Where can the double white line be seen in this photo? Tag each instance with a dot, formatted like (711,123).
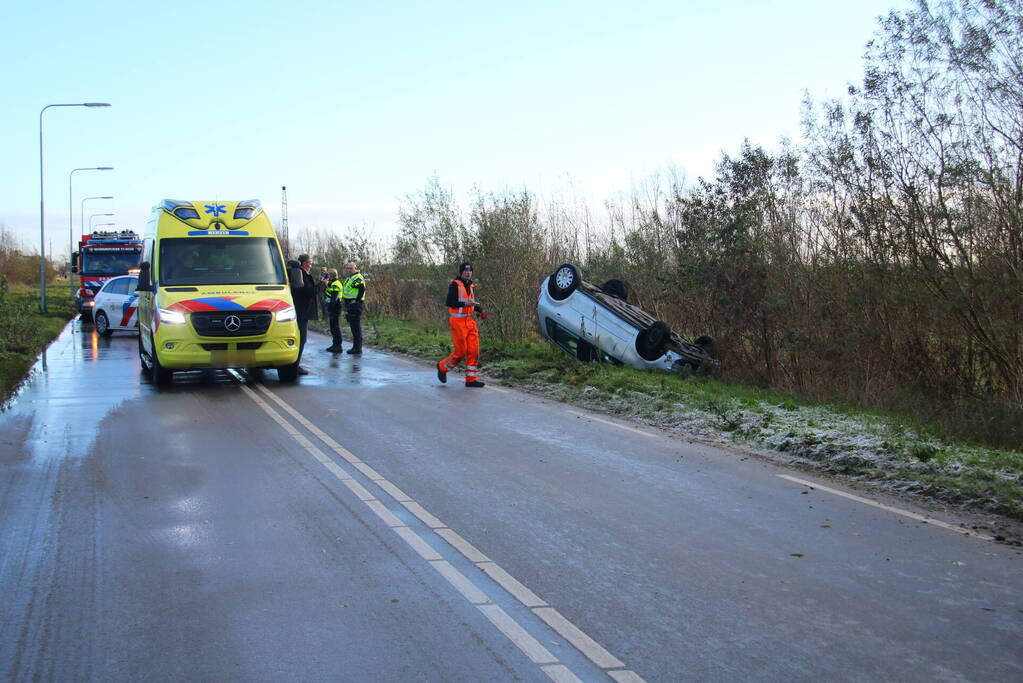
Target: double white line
(505,623)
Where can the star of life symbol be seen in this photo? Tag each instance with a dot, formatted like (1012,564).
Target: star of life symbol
(215,209)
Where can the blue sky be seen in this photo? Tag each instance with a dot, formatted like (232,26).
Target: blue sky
(352,106)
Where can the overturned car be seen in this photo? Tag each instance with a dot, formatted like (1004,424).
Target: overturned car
(594,323)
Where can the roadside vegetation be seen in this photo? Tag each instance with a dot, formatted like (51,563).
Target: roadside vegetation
(878,449)
(24,331)
(878,265)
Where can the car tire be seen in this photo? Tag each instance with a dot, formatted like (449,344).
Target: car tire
(102,323)
(617,289)
(160,375)
(563,281)
(651,342)
(288,373)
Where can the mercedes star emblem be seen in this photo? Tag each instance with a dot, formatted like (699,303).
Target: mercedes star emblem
(232,323)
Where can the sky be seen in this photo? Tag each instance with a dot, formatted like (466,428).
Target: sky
(355,106)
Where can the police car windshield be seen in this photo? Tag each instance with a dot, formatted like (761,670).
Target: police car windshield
(220,261)
(110,262)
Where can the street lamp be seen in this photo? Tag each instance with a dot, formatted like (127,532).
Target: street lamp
(81,211)
(70,215)
(91,216)
(42,216)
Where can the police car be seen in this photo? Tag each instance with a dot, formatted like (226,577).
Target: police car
(592,323)
(116,306)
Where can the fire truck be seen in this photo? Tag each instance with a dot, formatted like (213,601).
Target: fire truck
(101,256)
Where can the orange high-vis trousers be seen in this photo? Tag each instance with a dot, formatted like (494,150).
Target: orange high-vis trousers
(466,338)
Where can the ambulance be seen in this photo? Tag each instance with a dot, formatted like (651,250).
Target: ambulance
(213,291)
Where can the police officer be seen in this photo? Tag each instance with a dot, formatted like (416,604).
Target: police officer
(332,302)
(353,294)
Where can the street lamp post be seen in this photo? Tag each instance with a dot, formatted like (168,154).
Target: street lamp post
(70,217)
(91,216)
(81,211)
(42,215)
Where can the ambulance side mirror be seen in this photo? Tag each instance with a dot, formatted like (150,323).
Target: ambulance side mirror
(74,262)
(145,278)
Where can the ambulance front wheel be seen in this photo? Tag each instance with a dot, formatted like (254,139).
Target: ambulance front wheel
(160,375)
(288,373)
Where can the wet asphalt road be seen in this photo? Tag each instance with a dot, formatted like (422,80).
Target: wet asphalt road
(371,524)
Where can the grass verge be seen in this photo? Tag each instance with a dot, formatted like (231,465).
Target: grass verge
(886,450)
(25,331)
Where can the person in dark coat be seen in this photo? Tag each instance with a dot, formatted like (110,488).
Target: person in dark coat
(303,293)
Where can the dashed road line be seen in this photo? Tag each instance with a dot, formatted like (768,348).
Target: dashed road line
(472,593)
(889,508)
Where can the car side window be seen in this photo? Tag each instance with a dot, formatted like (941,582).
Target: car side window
(117,286)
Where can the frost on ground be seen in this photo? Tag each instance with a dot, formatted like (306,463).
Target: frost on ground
(871,450)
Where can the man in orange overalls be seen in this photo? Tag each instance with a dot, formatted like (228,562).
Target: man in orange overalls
(461,303)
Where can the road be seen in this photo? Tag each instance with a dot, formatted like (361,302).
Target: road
(369,523)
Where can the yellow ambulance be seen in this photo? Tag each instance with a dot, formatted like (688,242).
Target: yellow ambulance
(213,291)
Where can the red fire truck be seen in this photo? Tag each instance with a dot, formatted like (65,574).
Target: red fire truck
(101,256)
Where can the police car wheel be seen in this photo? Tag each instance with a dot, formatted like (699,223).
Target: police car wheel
(103,324)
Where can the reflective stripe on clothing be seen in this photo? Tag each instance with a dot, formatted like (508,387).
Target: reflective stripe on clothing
(467,297)
(459,315)
(465,336)
(350,289)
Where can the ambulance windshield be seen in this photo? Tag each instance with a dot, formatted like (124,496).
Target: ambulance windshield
(220,261)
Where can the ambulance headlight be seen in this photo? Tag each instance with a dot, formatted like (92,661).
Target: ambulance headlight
(286,314)
(171,317)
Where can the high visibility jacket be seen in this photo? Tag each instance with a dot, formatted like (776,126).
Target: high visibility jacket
(354,287)
(467,299)
(332,291)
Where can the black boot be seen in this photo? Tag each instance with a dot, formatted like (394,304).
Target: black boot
(475,384)
(355,349)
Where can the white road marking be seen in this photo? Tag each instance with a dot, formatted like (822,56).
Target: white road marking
(512,585)
(462,583)
(383,513)
(625,676)
(358,489)
(420,512)
(370,473)
(613,424)
(559,673)
(525,642)
(424,549)
(889,508)
(582,642)
(505,623)
(463,546)
(393,491)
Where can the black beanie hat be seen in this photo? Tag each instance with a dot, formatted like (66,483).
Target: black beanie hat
(464,266)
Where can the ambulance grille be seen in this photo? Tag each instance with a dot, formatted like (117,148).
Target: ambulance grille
(221,323)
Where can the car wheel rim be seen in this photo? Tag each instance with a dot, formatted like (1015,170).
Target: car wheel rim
(101,323)
(564,278)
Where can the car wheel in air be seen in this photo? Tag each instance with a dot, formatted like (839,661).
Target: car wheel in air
(563,281)
(103,324)
(616,288)
(651,342)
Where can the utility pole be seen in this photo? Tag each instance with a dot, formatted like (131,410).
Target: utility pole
(284,221)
